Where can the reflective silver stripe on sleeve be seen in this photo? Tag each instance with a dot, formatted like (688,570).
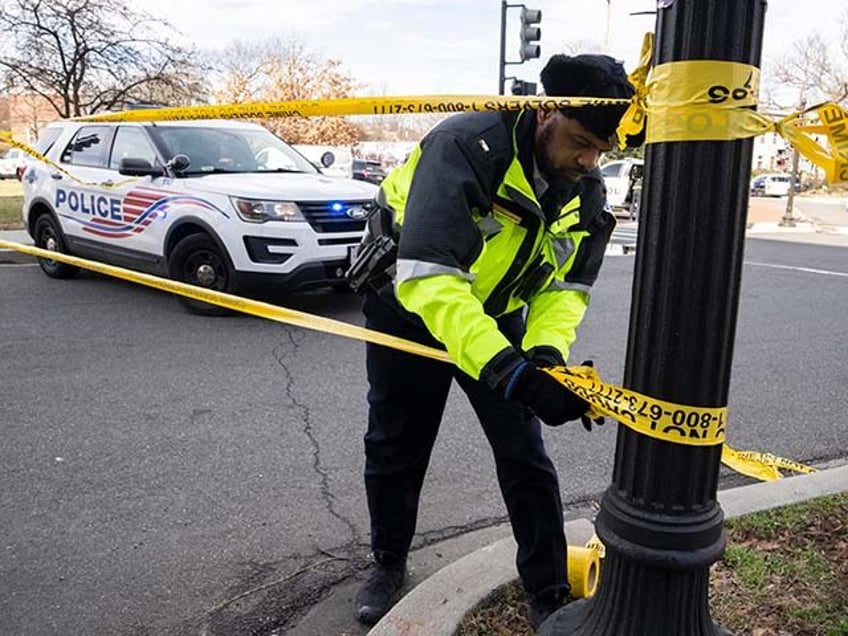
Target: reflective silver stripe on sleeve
(561,285)
(410,270)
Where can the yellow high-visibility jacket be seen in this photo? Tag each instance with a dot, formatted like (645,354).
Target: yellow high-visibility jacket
(475,242)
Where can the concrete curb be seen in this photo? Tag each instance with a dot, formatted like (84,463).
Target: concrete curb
(438,604)
(774,227)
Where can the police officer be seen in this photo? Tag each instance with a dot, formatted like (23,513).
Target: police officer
(487,243)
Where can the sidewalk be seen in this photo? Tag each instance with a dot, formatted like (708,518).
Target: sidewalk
(11,257)
(766,220)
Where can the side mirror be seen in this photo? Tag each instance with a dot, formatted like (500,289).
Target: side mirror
(328,159)
(134,167)
(178,163)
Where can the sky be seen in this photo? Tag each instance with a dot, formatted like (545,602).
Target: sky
(423,47)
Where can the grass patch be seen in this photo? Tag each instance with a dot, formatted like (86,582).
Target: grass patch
(505,612)
(785,572)
(11,201)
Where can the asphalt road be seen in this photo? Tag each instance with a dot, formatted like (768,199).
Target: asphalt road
(157,465)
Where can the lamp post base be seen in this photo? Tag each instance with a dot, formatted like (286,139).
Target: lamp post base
(572,620)
(637,603)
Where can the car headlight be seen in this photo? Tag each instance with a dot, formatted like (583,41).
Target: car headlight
(255,211)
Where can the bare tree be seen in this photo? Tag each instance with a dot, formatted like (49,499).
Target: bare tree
(814,70)
(85,56)
(276,70)
(581,46)
(243,70)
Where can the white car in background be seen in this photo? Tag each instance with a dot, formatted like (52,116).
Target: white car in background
(623,180)
(12,163)
(220,204)
(771,185)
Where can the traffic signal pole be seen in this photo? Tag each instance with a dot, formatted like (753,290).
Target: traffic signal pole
(660,519)
(530,36)
(502,64)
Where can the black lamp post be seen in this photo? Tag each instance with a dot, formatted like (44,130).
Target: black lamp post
(660,520)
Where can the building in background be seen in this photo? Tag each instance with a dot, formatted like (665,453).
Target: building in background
(773,154)
(25,114)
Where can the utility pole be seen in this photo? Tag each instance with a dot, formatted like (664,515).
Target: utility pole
(788,219)
(660,519)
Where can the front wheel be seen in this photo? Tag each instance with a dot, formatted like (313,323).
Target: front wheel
(197,260)
(49,237)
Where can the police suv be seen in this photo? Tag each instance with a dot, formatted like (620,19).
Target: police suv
(221,204)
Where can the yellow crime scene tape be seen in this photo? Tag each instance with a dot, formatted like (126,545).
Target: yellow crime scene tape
(696,100)
(678,101)
(404,105)
(676,423)
(6,137)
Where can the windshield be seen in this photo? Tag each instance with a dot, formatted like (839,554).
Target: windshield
(612,169)
(237,150)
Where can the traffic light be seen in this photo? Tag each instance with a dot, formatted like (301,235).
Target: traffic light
(521,87)
(530,35)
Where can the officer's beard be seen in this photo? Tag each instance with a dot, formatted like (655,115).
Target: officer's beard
(553,176)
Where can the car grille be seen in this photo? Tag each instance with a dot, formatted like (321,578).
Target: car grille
(332,216)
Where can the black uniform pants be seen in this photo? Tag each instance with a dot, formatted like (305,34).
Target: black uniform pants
(406,397)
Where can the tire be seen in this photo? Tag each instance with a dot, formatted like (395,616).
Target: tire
(48,236)
(197,260)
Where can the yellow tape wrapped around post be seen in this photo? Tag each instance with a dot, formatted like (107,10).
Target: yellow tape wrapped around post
(703,100)
(691,425)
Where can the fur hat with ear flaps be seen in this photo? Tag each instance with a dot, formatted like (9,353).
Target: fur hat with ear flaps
(591,76)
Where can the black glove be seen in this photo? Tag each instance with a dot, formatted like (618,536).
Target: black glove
(545,356)
(585,420)
(548,399)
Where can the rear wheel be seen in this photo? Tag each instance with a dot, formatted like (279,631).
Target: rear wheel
(197,260)
(49,237)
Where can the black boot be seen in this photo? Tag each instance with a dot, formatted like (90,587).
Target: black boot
(380,591)
(543,605)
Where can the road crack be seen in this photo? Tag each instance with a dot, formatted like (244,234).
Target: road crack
(281,352)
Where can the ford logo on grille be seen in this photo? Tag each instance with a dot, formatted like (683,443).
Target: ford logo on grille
(357,212)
